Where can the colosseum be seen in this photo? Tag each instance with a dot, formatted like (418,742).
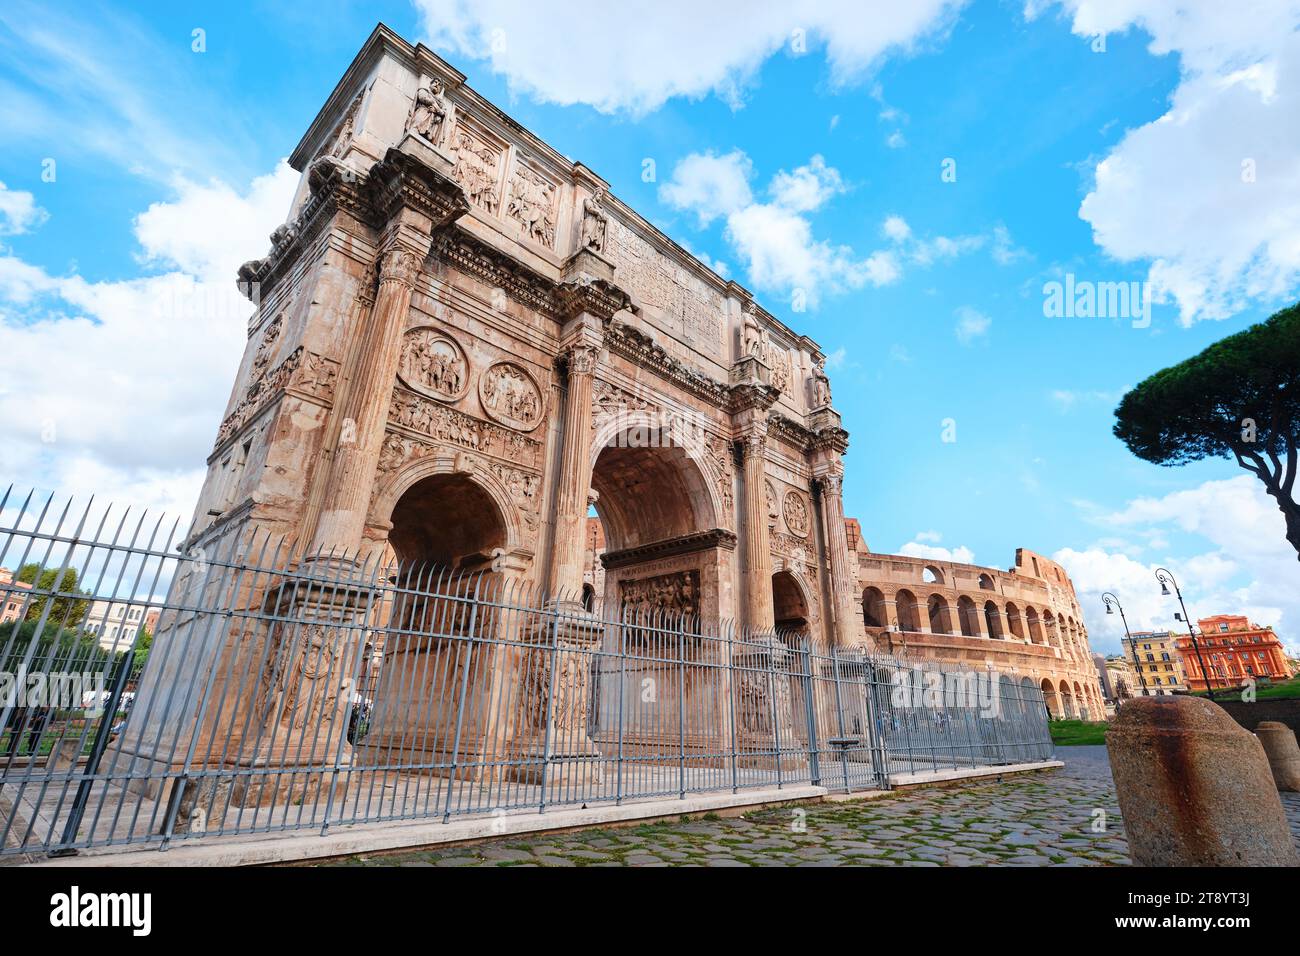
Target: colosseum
(1024,621)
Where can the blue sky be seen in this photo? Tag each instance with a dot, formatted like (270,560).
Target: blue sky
(1115,164)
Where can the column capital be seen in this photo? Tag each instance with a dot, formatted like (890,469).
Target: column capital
(397,263)
(831,483)
(580,358)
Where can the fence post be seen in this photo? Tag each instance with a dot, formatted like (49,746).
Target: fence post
(810,712)
(681,706)
(731,704)
(550,699)
(622,692)
(839,716)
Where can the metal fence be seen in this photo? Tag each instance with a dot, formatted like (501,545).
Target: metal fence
(281,696)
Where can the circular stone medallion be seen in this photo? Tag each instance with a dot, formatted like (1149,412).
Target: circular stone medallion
(433,364)
(511,396)
(796,514)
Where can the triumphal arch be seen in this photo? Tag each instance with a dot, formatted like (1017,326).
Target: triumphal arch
(464,344)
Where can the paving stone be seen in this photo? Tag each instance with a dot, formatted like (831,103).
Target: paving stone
(1033,820)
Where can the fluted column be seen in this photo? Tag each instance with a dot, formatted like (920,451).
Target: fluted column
(364,411)
(574,489)
(758,545)
(837,546)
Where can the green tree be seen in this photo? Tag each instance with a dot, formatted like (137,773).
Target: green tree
(142,648)
(70,603)
(1239,399)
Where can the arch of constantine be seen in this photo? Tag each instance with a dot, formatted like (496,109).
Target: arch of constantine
(469,357)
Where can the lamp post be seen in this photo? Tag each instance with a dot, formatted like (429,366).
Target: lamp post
(1166,578)
(1111,603)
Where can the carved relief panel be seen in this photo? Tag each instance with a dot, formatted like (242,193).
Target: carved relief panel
(478,166)
(433,364)
(795,509)
(533,203)
(671,594)
(688,307)
(511,396)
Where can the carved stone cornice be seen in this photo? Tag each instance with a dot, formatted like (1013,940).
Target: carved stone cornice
(334,188)
(670,547)
(590,294)
(402,180)
(496,269)
(641,350)
(809,439)
(751,395)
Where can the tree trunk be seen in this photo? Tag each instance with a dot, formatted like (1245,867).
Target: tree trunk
(1290,510)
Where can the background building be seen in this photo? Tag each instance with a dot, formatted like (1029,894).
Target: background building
(11,609)
(115,623)
(1159,664)
(1234,650)
(1123,678)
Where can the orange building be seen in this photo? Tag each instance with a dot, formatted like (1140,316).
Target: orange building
(1234,651)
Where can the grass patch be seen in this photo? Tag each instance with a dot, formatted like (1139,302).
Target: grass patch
(1073,733)
(1275,690)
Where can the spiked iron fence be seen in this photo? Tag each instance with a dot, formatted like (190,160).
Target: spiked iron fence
(283,695)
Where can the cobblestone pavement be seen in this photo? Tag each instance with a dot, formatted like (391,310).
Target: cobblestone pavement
(1040,819)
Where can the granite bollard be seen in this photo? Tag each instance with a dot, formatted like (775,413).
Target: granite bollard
(1283,753)
(1195,787)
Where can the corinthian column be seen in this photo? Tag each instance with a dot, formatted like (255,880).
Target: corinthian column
(364,410)
(758,546)
(574,489)
(837,547)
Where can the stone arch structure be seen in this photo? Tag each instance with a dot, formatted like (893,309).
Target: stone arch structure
(792,603)
(993,620)
(940,614)
(1051,699)
(908,610)
(1068,708)
(1014,622)
(466,473)
(874,613)
(932,575)
(968,616)
(1034,626)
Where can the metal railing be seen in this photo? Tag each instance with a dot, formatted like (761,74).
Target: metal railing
(334,691)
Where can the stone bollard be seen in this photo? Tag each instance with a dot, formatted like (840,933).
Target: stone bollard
(1194,787)
(1283,753)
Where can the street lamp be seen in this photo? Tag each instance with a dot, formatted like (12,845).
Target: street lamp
(1111,603)
(1166,578)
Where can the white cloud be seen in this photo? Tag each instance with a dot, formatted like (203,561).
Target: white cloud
(18,211)
(709,185)
(896,139)
(971,324)
(896,229)
(636,58)
(1067,399)
(808,187)
(774,240)
(1209,193)
(124,381)
(920,549)
(1245,565)
(929,537)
